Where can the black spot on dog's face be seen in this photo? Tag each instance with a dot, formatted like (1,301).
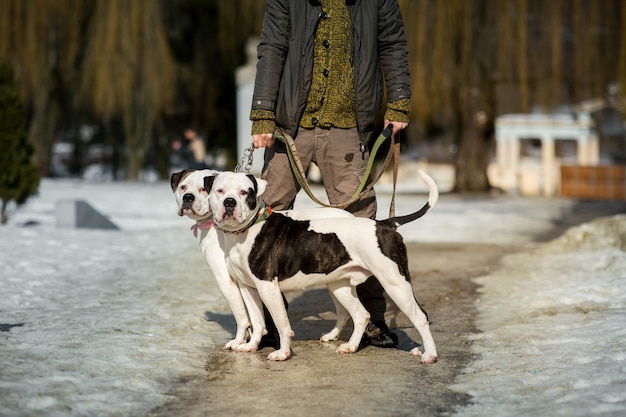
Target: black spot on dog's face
(177,177)
(208,183)
(252,193)
(251,199)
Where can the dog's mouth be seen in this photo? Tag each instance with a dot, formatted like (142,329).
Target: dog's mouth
(185,211)
(229,209)
(191,212)
(230,215)
(229,212)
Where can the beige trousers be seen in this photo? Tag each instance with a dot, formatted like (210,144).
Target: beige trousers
(336,153)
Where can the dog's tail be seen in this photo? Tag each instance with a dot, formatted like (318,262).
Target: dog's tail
(433,196)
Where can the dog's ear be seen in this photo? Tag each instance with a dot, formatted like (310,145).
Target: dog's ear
(262,184)
(208,182)
(177,177)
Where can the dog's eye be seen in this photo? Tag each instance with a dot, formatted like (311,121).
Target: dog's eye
(202,190)
(243,192)
(220,191)
(183,187)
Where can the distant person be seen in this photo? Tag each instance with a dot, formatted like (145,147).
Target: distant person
(193,153)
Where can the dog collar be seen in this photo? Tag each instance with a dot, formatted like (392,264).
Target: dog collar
(205,225)
(262,215)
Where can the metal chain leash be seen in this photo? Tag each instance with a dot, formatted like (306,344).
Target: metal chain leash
(246,160)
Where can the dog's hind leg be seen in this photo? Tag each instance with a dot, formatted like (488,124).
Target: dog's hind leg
(346,295)
(272,297)
(342,319)
(401,292)
(254,307)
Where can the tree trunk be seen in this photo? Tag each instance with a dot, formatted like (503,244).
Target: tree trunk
(474,142)
(3,213)
(472,161)
(138,124)
(41,131)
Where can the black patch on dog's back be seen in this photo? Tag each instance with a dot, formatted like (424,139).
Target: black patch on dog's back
(285,246)
(393,247)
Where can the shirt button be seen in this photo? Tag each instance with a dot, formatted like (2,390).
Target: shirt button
(326,43)
(324,15)
(325,72)
(314,120)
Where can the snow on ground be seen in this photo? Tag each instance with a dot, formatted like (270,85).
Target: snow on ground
(97,322)
(553,324)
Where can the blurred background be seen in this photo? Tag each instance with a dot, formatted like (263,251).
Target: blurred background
(108,86)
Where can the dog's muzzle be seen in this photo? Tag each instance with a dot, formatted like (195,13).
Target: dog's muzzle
(188,200)
(229,206)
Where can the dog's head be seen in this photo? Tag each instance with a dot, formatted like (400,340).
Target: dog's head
(234,198)
(191,195)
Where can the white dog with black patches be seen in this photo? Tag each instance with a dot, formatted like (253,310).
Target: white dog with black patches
(192,200)
(272,253)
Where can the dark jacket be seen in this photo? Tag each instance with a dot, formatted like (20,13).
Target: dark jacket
(285,65)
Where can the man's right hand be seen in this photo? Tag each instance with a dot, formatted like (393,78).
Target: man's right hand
(263,140)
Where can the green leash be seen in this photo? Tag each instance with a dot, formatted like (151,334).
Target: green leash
(298,170)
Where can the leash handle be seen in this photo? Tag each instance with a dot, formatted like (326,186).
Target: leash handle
(386,133)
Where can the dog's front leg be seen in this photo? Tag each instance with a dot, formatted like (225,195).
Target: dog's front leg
(214,256)
(255,312)
(269,292)
(233,296)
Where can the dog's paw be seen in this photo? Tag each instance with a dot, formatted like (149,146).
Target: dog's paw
(233,344)
(346,348)
(279,355)
(246,347)
(426,357)
(330,336)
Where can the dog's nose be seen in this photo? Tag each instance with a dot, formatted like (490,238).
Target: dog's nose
(188,198)
(229,205)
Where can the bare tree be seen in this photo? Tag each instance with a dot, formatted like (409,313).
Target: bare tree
(41,39)
(129,72)
(473,60)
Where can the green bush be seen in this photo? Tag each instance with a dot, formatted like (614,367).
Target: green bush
(18,175)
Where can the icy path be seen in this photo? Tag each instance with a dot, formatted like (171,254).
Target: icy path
(105,322)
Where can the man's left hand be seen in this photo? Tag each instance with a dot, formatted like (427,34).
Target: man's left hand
(397,126)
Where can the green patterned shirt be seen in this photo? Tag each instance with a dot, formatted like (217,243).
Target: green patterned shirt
(331,100)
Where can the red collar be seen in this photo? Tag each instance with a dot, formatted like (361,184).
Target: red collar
(205,225)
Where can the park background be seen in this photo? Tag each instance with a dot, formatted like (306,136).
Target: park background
(113,322)
(108,85)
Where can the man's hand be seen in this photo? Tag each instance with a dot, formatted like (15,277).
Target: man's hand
(397,126)
(264,140)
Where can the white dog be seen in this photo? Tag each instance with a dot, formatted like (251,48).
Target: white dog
(192,200)
(272,253)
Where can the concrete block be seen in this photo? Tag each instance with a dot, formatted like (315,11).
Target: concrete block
(79,214)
